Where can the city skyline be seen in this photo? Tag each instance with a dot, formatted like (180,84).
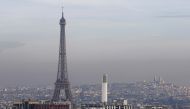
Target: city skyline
(129,40)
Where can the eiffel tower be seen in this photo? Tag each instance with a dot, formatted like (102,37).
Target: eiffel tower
(62,91)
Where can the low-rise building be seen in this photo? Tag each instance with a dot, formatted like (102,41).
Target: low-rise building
(114,105)
(29,104)
(153,107)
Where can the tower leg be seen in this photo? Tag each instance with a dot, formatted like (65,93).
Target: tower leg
(56,94)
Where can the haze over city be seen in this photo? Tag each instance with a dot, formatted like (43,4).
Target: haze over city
(131,40)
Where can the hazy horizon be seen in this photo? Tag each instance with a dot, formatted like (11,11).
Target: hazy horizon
(131,40)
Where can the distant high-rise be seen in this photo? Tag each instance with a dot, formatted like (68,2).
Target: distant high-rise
(104,89)
(155,79)
(62,91)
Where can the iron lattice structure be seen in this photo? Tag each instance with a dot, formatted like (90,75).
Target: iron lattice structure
(62,91)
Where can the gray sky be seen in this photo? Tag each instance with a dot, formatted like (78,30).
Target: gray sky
(131,40)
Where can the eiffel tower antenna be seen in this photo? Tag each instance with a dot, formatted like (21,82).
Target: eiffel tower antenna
(62,10)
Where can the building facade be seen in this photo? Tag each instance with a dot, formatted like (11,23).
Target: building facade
(39,105)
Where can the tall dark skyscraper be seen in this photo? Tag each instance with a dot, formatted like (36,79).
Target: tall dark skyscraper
(62,91)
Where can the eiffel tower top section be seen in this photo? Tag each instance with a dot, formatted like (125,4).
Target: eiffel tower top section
(62,20)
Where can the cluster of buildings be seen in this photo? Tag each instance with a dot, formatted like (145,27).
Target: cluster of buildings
(139,95)
(148,91)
